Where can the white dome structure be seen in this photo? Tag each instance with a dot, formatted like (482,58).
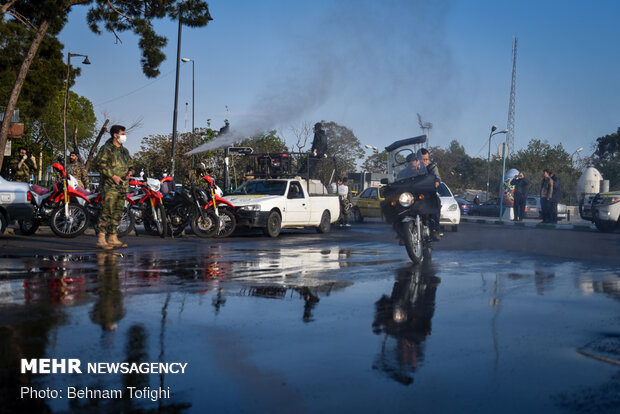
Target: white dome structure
(589,183)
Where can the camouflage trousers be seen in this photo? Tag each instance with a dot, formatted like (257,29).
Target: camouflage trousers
(113,203)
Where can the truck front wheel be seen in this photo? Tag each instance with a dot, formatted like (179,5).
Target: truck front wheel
(274,224)
(324,226)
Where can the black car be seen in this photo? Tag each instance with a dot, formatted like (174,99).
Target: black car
(489,208)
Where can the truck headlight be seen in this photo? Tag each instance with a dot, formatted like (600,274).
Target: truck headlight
(251,207)
(405,199)
(608,200)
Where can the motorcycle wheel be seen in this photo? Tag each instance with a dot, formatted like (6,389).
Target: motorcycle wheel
(227,223)
(413,242)
(178,217)
(28,227)
(205,227)
(127,224)
(69,226)
(158,225)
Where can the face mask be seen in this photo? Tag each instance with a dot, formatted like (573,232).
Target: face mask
(122,138)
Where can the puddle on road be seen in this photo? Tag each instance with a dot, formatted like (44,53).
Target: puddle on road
(291,329)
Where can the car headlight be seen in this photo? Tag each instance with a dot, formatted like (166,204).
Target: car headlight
(405,199)
(453,207)
(251,207)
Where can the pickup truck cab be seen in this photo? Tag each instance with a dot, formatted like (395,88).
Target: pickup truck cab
(284,203)
(606,211)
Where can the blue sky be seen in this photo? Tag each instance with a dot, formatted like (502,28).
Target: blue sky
(371,66)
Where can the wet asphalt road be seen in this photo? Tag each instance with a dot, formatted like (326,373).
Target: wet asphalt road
(501,320)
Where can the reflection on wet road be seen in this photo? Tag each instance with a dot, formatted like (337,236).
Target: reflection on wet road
(331,327)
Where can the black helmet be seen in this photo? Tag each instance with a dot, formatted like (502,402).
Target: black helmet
(318,125)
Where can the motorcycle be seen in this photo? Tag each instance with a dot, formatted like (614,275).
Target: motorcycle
(411,204)
(94,207)
(67,217)
(147,206)
(215,215)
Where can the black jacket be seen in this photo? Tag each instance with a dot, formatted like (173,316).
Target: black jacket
(521,187)
(557,189)
(319,143)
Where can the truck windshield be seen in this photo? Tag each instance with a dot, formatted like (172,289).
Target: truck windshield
(262,187)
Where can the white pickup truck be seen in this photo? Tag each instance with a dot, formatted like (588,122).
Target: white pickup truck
(275,204)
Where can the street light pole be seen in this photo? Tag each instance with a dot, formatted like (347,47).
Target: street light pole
(185,60)
(493,129)
(64,122)
(176,96)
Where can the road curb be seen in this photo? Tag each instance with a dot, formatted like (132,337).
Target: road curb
(536,225)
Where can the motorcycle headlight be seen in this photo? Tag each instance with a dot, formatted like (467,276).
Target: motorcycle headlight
(405,199)
(251,207)
(153,184)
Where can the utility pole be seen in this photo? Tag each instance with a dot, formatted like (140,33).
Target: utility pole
(510,138)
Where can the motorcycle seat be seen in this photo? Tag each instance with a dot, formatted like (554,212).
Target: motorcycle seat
(84,192)
(39,190)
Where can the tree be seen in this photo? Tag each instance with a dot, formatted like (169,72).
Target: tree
(45,17)
(376,163)
(606,158)
(344,146)
(80,117)
(540,155)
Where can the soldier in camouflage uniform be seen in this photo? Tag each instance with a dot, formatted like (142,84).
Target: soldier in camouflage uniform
(115,165)
(76,168)
(23,166)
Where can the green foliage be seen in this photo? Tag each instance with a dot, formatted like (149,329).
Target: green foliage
(344,146)
(606,158)
(121,15)
(80,114)
(46,76)
(376,163)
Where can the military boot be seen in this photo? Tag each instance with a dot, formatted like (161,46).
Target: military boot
(101,243)
(115,242)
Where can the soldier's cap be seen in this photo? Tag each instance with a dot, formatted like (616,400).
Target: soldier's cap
(76,152)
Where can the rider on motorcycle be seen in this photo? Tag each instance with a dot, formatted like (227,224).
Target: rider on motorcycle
(416,167)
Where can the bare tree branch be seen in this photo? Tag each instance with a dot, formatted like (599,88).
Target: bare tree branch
(91,153)
(6,6)
(119,12)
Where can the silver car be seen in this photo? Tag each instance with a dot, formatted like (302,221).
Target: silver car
(14,202)
(534,210)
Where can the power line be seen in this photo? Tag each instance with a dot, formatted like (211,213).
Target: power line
(135,90)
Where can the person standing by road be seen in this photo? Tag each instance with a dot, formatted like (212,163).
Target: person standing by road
(115,165)
(77,169)
(556,197)
(23,166)
(318,150)
(346,201)
(546,191)
(521,185)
